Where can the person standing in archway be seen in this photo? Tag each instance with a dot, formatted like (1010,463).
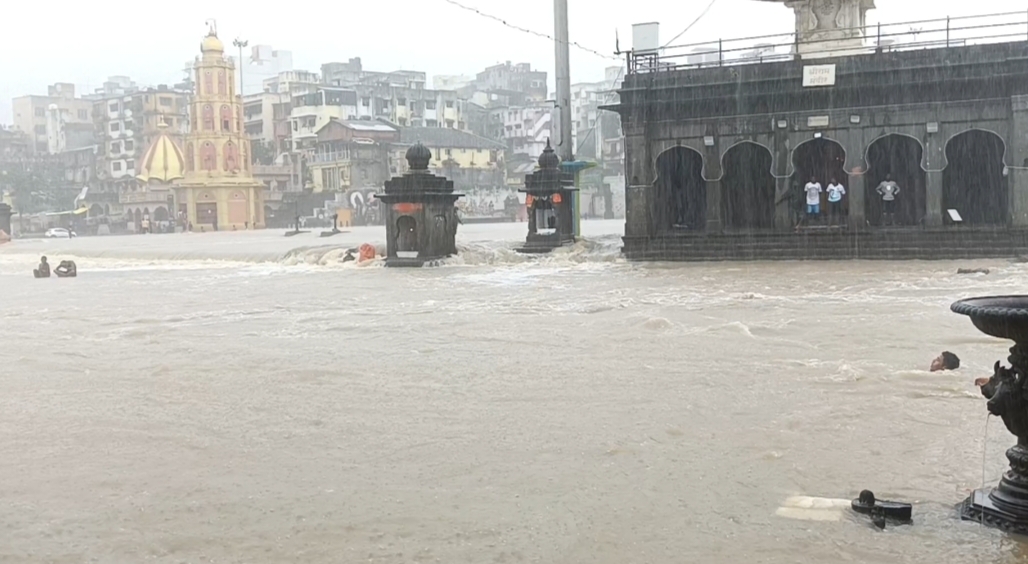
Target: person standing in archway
(835,193)
(888,191)
(813,190)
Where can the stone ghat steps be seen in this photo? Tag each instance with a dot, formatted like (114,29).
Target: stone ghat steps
(919,245)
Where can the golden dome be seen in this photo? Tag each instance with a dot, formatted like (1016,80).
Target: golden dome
(163,161)
(211,44)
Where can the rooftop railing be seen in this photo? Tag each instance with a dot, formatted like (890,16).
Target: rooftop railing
(883,37)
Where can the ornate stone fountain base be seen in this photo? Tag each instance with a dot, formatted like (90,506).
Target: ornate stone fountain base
(1005,506)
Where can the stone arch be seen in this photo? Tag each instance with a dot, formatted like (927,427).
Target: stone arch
(406,234)
(208,156)
(226,118)
(208,82)
(208,117)
(821,158)
(138,217)
(748,186)
(160,213)
(222,87)
(680,190)
(975,181)
(900,157)
(95,210)
(230,156)
(237,208)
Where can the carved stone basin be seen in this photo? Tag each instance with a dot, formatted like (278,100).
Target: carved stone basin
(1005,317)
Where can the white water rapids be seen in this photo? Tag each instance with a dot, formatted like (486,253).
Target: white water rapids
(247,397)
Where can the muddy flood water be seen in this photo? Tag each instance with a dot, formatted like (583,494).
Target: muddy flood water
(246,397)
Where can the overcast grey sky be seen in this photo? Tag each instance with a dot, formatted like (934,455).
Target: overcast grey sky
(84,42)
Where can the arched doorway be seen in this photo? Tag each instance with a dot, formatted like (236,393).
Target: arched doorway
(821,160)
(406,238)
(897,157)
(973,182)
(160,214)
(681,192)
(95,210)
(747,187)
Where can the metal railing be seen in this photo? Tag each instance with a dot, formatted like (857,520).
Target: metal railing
(883,37)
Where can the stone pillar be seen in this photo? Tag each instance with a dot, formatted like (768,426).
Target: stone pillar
(5,218)
(783,204)
(714,223)
(639,187)
(856,191)
(933,198)
(1017,163)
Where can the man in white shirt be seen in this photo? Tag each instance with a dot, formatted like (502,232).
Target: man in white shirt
(835,193)
(888,191)
(813,190)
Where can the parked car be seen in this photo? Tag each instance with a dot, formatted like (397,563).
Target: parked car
(59,233)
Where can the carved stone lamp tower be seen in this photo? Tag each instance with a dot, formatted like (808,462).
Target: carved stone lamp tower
(1006,505)
(420,215)
(829,28)
(550,203)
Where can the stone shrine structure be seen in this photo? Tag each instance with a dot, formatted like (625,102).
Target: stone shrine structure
(827,28)
(717,155)
(420,215)
(162,166)
(218,191)
(549,202)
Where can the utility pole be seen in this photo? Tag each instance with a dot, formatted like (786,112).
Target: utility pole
(562,72)
(240,43)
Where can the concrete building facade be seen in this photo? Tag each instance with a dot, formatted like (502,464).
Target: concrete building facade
(32,114)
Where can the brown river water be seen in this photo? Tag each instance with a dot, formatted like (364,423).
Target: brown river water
(246,397)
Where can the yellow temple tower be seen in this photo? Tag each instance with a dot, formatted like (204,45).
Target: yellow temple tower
(218,191)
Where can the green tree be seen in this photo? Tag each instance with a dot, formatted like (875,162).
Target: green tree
(33,185)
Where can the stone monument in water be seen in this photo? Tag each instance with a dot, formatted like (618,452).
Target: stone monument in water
(1006,505)
(420,215)
(829,28)
(550,203)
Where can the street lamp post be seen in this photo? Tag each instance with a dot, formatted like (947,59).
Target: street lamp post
(240,43)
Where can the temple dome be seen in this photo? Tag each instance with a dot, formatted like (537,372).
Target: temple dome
(163,161)
(211,44)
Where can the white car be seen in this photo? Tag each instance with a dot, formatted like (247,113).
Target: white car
(59,233)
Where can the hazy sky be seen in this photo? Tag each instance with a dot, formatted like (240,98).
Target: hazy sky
(84,42)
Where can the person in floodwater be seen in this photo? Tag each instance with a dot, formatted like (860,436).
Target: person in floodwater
(43,270)
(945,361)
(66,269)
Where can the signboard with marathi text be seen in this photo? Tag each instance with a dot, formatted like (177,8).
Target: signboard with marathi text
(818,75)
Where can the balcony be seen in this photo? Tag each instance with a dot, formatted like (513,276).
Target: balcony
(271,170)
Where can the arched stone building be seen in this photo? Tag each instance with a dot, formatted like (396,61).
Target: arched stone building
(719,152)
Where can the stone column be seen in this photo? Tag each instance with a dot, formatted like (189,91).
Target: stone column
(714,223)
(639,186)
(933,198)
(1017,153)
(857,192)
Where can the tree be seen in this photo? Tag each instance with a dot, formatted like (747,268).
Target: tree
(263,153)
(33,184)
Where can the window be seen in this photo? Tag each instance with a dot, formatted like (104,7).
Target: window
(115,127)
(115,147)
(401,102)
(40,112)
(430,105)
(129,165)
(40,130)
(449,103)
(449,153)
(116,166)
(130,146)
(431,123)
(83,115)
(365,102)
(113,107)
(164,101)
